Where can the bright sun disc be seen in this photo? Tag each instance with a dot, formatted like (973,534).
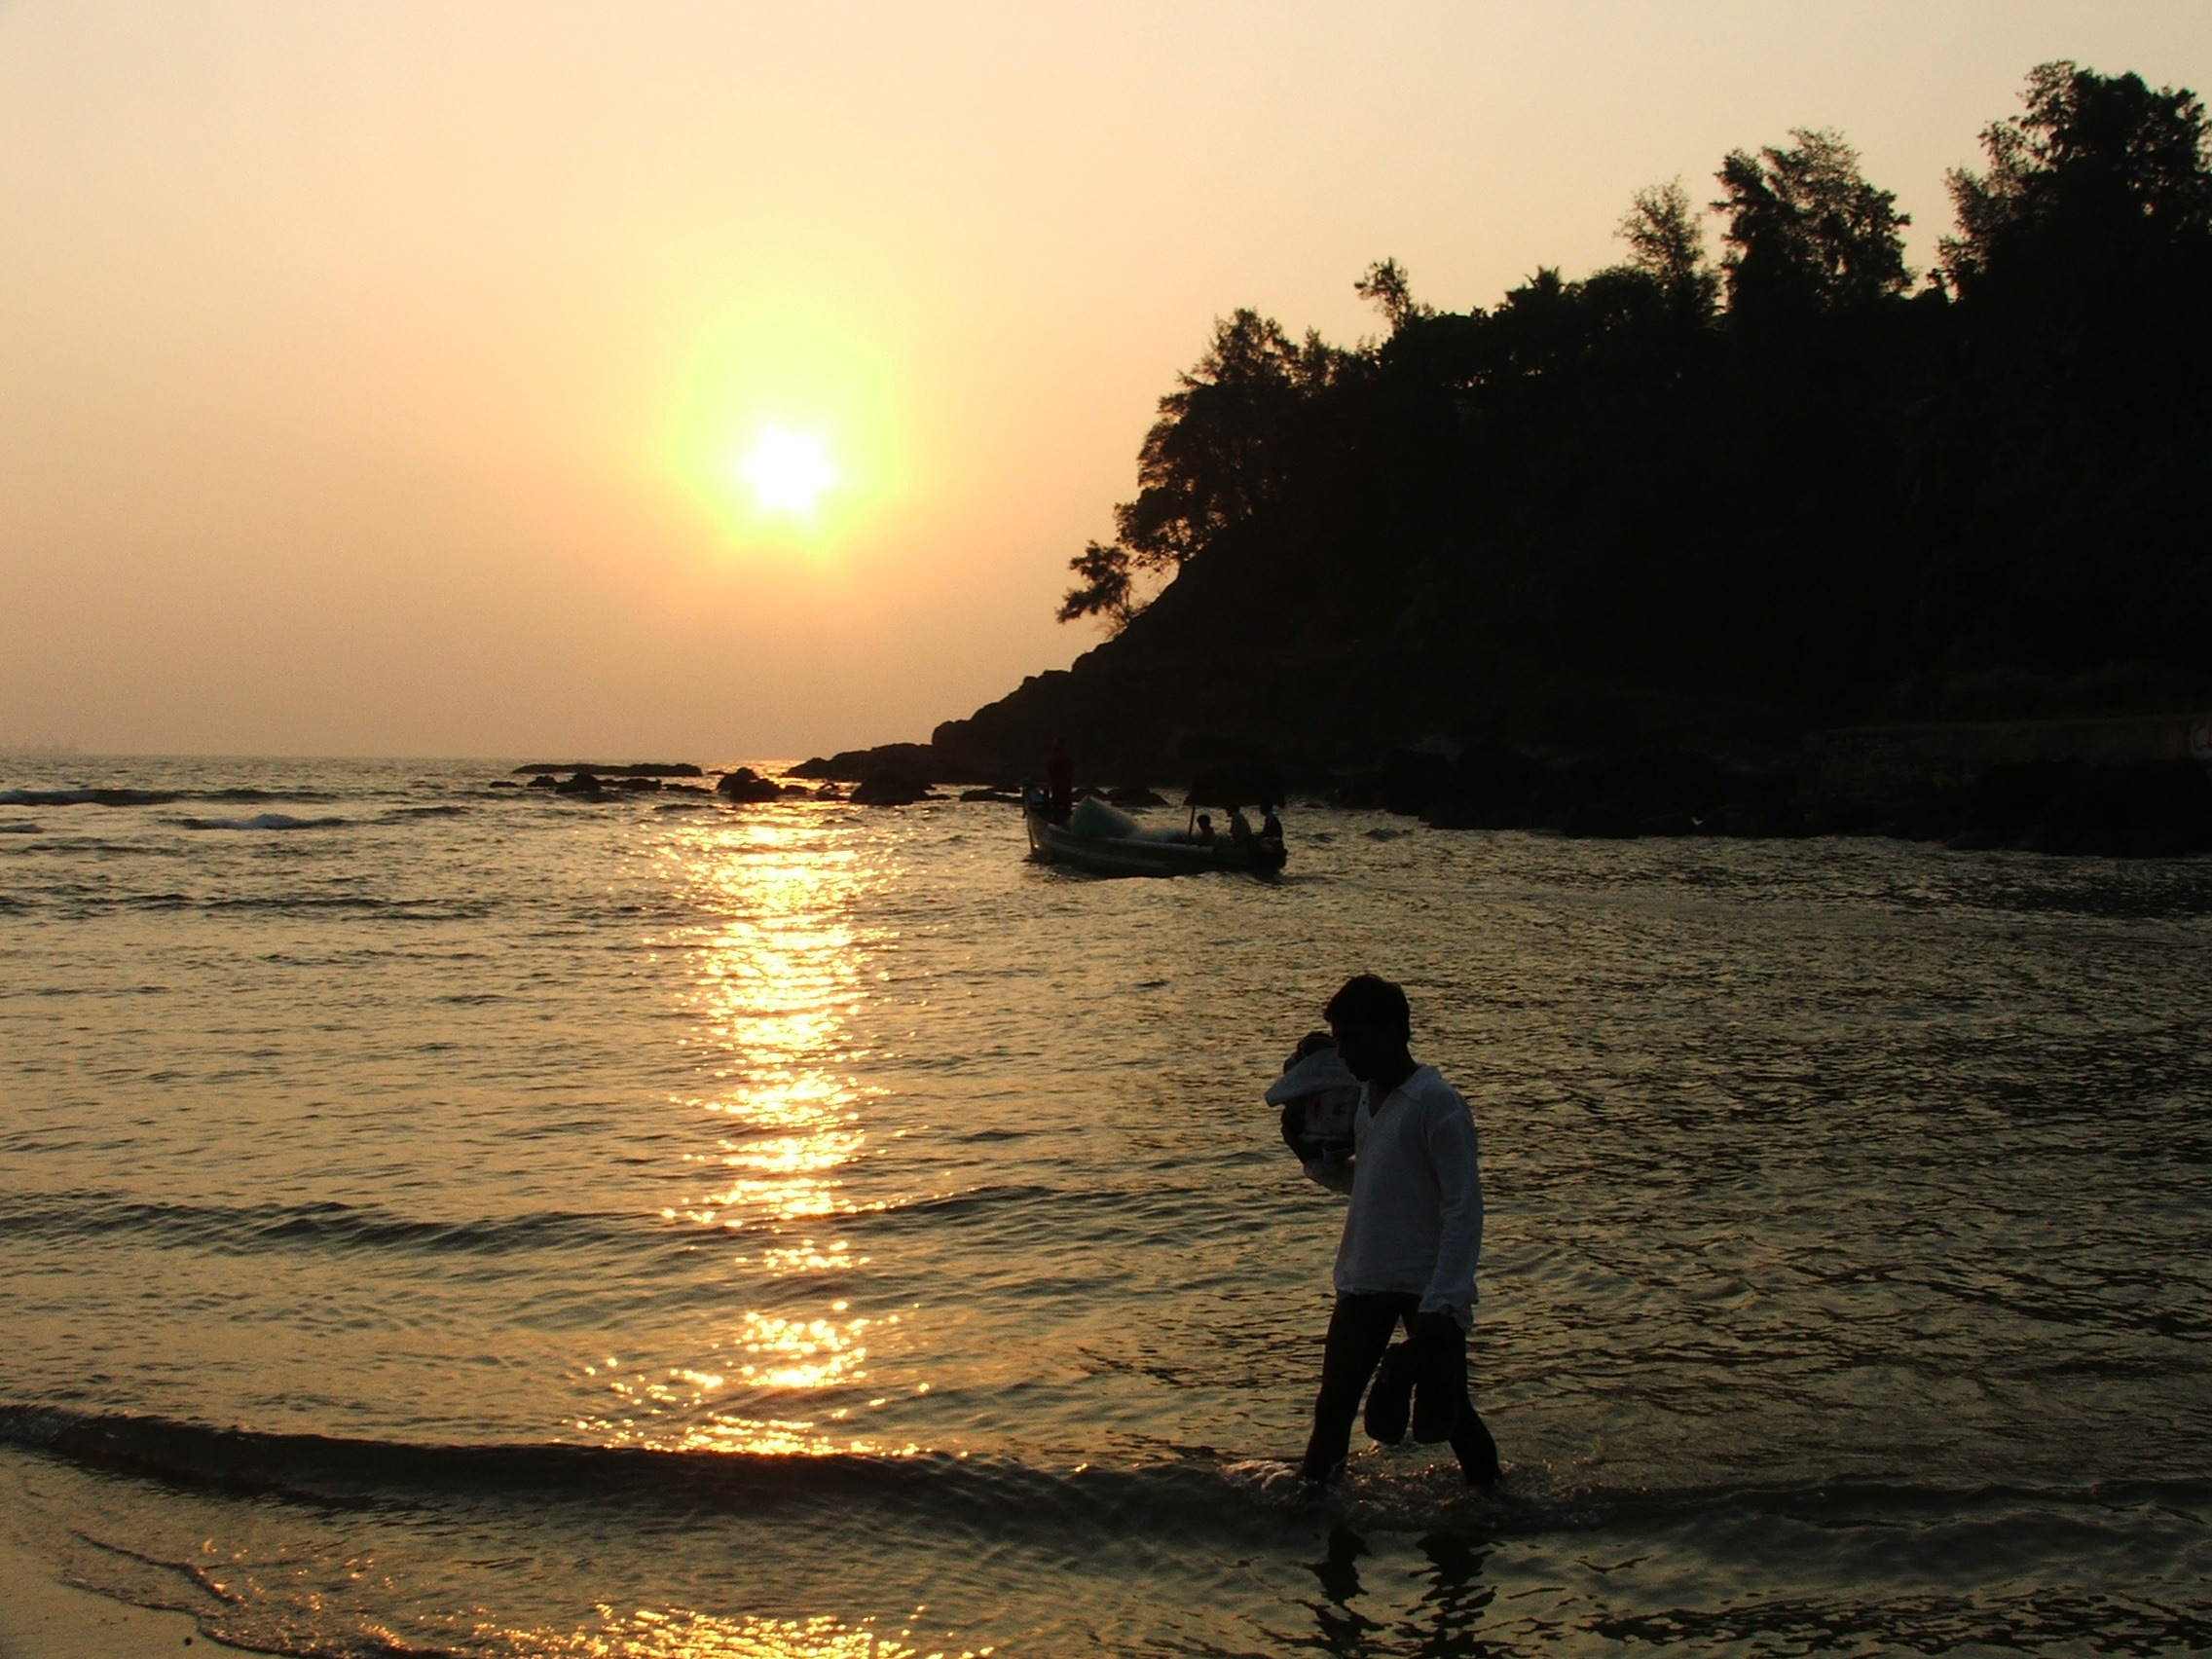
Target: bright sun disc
(786,470)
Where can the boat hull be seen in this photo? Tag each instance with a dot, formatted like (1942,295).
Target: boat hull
(1130,855)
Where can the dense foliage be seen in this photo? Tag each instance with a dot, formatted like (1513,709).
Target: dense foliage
(1799,485)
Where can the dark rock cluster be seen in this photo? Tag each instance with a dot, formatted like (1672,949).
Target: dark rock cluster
(2145,808)
(919,763)
(2153,809)
(590,786)
(890,789)
(746,785)
(1136,795)
(607,769)
(1664,792)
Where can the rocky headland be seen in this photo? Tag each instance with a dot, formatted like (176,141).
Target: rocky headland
(1799,541)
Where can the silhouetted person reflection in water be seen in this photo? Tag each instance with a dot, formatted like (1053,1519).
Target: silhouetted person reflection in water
(1411,1242)
(1059,774)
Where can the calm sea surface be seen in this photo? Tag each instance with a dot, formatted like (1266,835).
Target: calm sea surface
(439,1219)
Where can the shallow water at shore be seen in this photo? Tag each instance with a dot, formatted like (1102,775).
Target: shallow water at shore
(458,1221)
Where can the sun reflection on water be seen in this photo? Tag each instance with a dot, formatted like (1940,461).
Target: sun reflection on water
(775,978)
(647,1634)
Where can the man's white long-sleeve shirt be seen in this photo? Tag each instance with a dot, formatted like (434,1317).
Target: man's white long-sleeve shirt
(1416,1221)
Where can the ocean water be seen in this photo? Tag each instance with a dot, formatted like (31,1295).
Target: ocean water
(440,1220)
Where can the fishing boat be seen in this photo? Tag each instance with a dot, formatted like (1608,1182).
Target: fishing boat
(1107,841)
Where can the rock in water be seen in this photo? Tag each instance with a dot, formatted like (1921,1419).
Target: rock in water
(747,785)
(889,789)
(615,770)
(909,760)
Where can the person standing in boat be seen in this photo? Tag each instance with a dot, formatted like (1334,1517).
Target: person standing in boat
(1059,774)
(1411,1242)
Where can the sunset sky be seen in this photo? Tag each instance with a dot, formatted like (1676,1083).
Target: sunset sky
(720,381)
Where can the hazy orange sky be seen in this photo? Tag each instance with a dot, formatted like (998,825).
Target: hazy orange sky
(377,378)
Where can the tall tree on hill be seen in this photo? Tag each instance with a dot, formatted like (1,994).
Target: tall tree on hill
(1666,242)
(2085,249)
(2076,465)
(2001,483)
(1221,450)
(1390,290)
(1806,232)
(2098,171)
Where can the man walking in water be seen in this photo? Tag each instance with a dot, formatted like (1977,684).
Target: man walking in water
(1412,1238)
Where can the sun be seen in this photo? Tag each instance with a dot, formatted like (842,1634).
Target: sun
(786,470)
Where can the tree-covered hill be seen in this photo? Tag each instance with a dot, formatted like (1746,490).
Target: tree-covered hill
(1681,502)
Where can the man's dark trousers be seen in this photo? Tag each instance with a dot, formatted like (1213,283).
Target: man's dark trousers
(1359,1331)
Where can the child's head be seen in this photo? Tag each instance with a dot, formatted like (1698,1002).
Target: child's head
(1313,1043)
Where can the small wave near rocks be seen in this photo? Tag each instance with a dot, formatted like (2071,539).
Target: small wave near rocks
(266,820)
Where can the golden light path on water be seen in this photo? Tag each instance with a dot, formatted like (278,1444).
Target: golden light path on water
(645,1634)
(773,981)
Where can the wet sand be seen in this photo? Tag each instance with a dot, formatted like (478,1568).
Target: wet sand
(43,1618)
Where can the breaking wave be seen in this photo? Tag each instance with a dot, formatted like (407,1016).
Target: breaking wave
(1202,1492)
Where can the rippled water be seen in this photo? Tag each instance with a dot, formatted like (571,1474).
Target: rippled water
(445,1220)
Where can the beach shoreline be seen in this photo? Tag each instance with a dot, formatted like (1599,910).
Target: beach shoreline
(43,1617)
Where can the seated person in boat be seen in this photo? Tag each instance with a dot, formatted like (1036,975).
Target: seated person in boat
(1271,827)
(1240,828)
(1205,830)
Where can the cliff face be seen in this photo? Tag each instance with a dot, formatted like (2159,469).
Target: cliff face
(1312,651)
(1223,667)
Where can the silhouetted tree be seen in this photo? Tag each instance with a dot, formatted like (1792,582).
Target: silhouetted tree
(2074,416)
(1667,243)
(1806,232)
(1828,501)
(1104,590)
(2085,249)
(1388,288)
(1220,451)
(2098,170)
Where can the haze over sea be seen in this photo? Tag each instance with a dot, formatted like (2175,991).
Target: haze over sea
(452,1220)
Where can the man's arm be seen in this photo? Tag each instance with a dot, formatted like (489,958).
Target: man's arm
(1455,1157)
(1333,1171)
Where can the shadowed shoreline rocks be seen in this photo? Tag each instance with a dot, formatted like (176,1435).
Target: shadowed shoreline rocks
(613,769)
(2022,786)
